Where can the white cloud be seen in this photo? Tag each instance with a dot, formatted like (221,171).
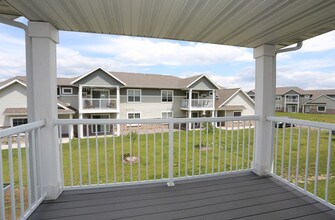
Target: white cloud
(306,79)
(71,63)
(12,56)
(150,52)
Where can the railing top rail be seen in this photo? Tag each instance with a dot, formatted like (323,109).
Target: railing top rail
(302,122)
(99,98)
(152,121)
(21,128)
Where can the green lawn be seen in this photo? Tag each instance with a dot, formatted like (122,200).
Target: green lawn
(153,157)
(310,117)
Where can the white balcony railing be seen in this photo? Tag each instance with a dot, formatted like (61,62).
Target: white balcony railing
(111,152)
(303,156)
(96,103)
(20,171)
(155,150)
(292,100)
(198,103)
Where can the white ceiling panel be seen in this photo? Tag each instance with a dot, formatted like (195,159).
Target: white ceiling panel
(246,23)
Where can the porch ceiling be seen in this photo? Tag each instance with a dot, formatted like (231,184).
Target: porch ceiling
(246,23)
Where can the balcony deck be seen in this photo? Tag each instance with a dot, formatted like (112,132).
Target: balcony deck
(233,196)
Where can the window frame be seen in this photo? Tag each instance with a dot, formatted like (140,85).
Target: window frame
(13,118)
(317,108)
(93,125)
(133,125)
(167,97)
(237,112)
(67,93)
(166,112)
(278,98)
(134,101)
(279,107)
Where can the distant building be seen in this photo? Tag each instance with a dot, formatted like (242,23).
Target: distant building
(100,94)
(295,99)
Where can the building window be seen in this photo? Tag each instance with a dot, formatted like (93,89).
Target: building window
(167,95)
(167,114)
(19,121)
(237,114)
(67,90)
(279,107)
(134,95)
(135,115)
(278,98)
(100,128)
(321,109)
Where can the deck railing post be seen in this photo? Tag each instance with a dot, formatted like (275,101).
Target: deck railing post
(43,100)
(170,180)
(265,56)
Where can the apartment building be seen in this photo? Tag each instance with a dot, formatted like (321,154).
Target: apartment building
(295,99)
(100,94)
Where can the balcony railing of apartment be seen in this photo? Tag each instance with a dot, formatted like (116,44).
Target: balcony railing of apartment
(292,100)
(197,103)
(166,150)
(20,171)
(97,103)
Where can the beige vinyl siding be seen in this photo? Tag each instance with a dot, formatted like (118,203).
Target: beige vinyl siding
(322,101)
(13,96)
(241,99)
(151,107)
(203,84)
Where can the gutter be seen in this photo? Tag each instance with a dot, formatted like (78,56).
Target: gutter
(297,47)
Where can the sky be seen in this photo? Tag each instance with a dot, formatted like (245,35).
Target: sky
(312,67)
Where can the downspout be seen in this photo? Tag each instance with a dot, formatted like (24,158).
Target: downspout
(297,47)
(28,62)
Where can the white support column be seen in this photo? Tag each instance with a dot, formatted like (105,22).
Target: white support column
(213,98)
(190,107)
(80,98)
(71,129)
(118,126)
(43,97)
(265,106)
(80,130)
(189,116)
(118,110)
(190,99)
(285,103)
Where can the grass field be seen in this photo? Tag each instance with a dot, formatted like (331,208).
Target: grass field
(225,152)
(310,117)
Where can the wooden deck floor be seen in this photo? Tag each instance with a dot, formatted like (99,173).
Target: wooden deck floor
(242,196)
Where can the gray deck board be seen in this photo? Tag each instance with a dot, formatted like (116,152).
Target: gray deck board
(237,196)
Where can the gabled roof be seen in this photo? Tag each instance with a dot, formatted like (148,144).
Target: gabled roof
(130,80)
(187,82)
(226,94)
(319,92)
(286,89)
(313,100)
(18,79)
(141,80)
(92,71)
